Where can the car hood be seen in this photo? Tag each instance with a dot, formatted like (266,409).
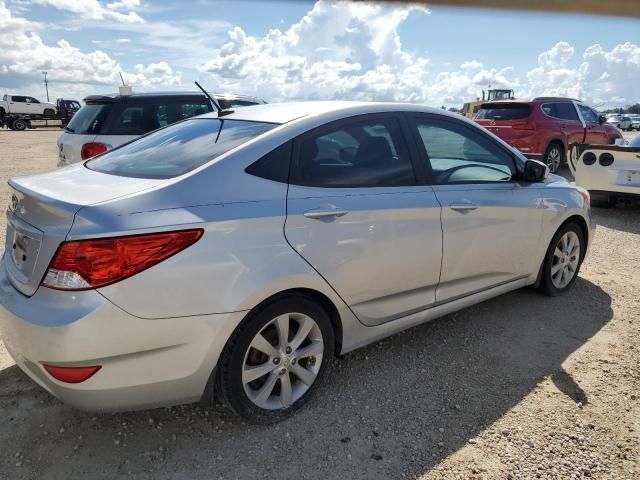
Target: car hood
(553,178)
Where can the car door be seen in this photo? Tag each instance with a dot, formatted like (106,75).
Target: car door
(34,106)
(596,133)
(490,222)
(359,212)
(570,124)
(18,104)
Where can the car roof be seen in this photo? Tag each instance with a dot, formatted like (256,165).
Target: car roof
(195,93)
(286,112)
(536,99)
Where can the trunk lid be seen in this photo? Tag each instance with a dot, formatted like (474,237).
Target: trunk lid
(507,120)
(42,210)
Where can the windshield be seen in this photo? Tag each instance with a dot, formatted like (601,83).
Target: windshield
(635,142)
(179,148)
(89,119)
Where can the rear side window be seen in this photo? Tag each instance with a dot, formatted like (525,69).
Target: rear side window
(89,119)
(178,149)
(369,153)
(506,111)
(561,111)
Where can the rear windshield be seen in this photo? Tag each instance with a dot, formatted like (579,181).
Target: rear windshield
(178,149)
(510,111)
(89,119)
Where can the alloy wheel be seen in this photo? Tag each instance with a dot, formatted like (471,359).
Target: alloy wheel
(282,361)
(566,258)
(554,157)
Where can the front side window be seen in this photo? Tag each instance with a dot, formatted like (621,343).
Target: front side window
(369,153)
(178,149)
(588,115)
(460,155)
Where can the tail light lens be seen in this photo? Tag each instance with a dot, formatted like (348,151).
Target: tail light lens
(92,149)
(86,264)
(71,374)
(606,159)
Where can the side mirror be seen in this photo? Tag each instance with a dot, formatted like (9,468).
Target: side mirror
(535,171)
(602,119)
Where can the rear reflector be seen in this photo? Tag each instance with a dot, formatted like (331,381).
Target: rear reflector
(86,264)
(71,374)
(92,149)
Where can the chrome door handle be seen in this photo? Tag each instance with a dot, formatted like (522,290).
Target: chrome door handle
(463,207)
(318,214)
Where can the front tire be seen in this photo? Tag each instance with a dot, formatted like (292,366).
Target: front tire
(277,358)
(554,157)
(49,113)
(563,260)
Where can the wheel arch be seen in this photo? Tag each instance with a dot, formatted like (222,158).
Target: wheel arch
(578,220)
(558,140)
(317,297)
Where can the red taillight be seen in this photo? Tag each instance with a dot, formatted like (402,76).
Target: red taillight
(523,126)
(85,264)
(71,374)
(92,149)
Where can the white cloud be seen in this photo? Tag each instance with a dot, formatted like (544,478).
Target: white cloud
(24,55)
(336,51)
(602,77)
(94,10)
(344,50)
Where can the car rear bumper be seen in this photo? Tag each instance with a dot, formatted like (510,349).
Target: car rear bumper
(145,363)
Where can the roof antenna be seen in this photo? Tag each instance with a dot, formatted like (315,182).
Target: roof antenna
(124,90)
(221,111)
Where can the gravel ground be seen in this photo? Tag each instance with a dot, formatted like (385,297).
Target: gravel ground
(521,386)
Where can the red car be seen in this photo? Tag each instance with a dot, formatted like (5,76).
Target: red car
(545,128)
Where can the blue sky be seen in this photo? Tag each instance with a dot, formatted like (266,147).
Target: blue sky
(316,50)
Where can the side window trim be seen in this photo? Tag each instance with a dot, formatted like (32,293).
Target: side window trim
(328,127)
(435,119)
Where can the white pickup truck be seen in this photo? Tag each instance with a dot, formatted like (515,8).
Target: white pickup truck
(23,105)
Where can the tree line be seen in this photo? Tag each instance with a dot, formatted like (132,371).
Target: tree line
(635,109)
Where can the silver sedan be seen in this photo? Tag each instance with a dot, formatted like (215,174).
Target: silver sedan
(234,256)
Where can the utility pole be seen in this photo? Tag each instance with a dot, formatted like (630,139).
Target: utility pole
(46,84)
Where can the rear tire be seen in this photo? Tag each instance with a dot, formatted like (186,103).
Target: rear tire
(554,156)
(289,371)
(18,124)
(563,260)
(2,113)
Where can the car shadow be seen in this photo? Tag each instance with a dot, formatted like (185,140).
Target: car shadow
(397,407)
(625,216)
